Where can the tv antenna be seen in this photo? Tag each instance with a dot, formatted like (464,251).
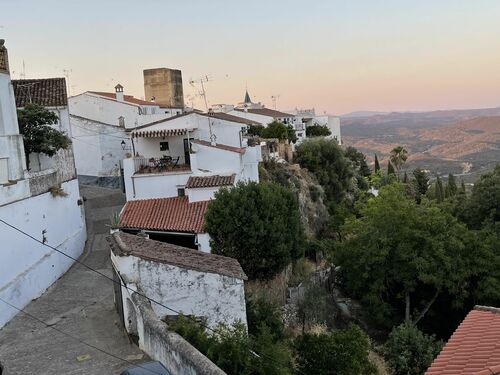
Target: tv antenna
(274,98)
(203,93)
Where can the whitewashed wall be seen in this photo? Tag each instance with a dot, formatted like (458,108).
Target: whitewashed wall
(97,147)
(221,299)
(216,160)
(28,268)
(203,241)
(150,147)
(201,194)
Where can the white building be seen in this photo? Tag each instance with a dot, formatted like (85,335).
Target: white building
(180,163)
(202,285)
(308,117)
(57,219)
(100,124)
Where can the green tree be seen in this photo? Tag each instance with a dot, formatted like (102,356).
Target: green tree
(280,131)
(398,157)
(325,159)
(359,161)
(258,224)
(377,164)
(398,257)
(408,351)
(256,130)
(342,352)
(390,169)
(451,186)
(439,192)
(317,130)
(482,209)
(315,306)
(421,181)
(262,312)
(35,126)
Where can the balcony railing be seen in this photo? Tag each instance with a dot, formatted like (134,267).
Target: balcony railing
(143,165)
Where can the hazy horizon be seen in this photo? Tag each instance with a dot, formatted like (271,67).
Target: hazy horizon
(339,57)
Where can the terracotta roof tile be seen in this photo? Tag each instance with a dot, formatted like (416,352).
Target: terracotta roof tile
(231,118)
(239,150)
(209,181)
(47,92)
(165,214)
(126,98)
(266,112)
(123,244)
(474,348)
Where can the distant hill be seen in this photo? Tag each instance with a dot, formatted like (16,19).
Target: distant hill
(459,141)
(362,114)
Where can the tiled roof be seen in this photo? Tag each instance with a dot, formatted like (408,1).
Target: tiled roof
(126,98)
(266,112)
(123,244)
(239,150)
(231,118)
(47,92)
(209,181)
(165,214)
(474,348)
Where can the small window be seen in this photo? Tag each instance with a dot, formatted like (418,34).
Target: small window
(164,146)
(167,111)
(181,192)
(178,112)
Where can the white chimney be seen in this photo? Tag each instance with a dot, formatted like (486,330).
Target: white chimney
(119,92)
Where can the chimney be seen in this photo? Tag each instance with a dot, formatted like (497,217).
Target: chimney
(119,92)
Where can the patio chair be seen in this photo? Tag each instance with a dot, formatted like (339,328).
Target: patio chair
(174,161)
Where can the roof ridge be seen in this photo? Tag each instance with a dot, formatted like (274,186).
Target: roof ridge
(492,309)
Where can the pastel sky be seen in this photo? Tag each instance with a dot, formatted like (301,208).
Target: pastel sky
(337,56)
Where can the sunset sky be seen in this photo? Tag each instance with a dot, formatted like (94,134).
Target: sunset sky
(336,56)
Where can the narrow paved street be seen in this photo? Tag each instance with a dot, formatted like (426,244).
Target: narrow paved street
(79,303)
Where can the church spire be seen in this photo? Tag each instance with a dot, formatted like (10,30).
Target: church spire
(247,97)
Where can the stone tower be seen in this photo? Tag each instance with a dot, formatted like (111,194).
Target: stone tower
(164,87)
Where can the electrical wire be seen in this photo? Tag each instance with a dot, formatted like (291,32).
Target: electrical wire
(75,338)
(126,287)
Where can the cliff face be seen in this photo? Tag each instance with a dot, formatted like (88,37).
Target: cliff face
(313,212)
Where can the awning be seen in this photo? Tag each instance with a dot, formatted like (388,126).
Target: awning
(158,133)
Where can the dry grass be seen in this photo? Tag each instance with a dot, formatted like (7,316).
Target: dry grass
(57,191)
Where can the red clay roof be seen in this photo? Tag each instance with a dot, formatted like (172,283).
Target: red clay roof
(209,181)
(266,112)
(126,98)
(165,214)
(124,244)
(239,150)
(474,348)
(46,92)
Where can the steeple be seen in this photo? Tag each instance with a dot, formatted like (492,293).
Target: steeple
(247,97)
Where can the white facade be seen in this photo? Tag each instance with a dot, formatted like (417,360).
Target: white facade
(217,296)
(28,267)
(190,139)
(101,123)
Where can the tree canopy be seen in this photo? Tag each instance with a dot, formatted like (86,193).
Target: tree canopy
(342,352)
(325,159)
(317,130)
(35,126)
(398,256)
(258,224)
(398,157)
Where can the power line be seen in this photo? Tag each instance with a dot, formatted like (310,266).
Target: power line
(75,338)
(126,287)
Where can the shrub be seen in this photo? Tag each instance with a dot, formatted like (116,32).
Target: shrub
(409,351)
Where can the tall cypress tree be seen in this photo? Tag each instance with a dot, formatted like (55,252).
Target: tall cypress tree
(452,185)
(405,178)
(439,190)
(390,169)
(377,165)
(462,187)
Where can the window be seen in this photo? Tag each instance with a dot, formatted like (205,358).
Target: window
(164,146)
(167,111)
(181,192)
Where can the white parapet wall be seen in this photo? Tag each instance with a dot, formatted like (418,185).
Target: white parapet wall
(29,268)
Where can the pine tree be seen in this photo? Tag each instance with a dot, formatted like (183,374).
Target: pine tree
(390,169)
(439,190)
(452,185)
(377,165)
